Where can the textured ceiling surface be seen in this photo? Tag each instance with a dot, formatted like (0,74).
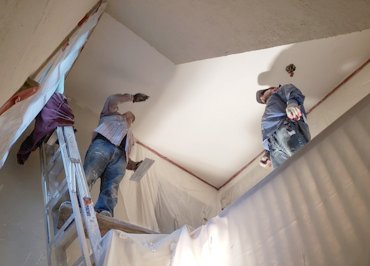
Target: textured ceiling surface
(203,114)
(185,31)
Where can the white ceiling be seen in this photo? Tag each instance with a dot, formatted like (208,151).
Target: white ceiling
(203,114)
(185,31)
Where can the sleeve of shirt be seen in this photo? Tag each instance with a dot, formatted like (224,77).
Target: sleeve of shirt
(292,94)
(130,142)
(111,104)
(265,144)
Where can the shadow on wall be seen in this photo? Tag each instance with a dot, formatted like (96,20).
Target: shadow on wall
(320,64)
(317,206)
(115,60)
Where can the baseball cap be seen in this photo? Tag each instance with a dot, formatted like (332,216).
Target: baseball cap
(259,93)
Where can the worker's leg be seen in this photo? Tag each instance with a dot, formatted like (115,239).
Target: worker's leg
(110,181)
(297,140)
(287,140)
(97,158)
(278,154)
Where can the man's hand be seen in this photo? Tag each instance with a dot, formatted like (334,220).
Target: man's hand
(265,160)
(137,164)
(293,112)
(140,97)
(131,165)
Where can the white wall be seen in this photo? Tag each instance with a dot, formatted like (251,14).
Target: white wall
(203,115)
(208,116)
(188,31)
(321,117)
(314,210)
(29,32)
(22,230)
(165,199)
(26,43)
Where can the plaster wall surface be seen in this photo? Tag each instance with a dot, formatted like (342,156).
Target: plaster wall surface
(185,31)
(22,229)
(203,115)
(27,40)
(29,32)
(346,96)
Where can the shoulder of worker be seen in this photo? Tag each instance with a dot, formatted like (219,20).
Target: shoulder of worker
(288,86)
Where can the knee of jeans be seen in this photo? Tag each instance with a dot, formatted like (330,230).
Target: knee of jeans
(296,142)
(91,176)
(114,191)
(111,190)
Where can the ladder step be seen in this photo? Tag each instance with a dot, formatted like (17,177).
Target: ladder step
(80,260)
(55,164)
(66,234)
(61,191)
(55,156)
(70,140)
(59,154)
(52,139)
(108,223)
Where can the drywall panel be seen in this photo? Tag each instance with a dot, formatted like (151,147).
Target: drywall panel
(29,32)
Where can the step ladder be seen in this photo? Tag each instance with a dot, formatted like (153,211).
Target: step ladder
(58,153)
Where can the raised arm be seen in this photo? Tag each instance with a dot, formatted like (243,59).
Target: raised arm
(111,104)
(294,99)
(292,95)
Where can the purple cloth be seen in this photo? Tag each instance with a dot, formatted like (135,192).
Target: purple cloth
(55,113)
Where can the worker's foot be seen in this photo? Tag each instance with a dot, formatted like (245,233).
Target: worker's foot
(65,211)
(105,213)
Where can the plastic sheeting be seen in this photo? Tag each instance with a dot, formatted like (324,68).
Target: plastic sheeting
(166,198)
(314,210)
(339,102)
(51,79)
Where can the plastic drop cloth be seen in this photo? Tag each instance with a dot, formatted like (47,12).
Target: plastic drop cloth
(166,198)
(308,212)
(51,79)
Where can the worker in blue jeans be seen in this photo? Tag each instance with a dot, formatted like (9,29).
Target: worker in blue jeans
(283,124)
(108,155)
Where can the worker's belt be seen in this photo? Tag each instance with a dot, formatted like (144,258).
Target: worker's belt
(120,146)
(100,136)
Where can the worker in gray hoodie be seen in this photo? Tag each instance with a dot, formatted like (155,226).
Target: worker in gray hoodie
(283,124)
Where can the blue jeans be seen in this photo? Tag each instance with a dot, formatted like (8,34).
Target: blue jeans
(284,142)
(105,160)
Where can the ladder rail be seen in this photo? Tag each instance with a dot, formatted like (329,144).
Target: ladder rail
(87,206)
(71,181)
(56,184)
(48,225)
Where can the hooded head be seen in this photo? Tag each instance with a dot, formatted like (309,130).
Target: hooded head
(261,93)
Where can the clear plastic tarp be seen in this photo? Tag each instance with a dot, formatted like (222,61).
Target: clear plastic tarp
(314,210)
(51,78)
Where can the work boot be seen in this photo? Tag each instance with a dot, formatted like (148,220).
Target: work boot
(105,213)
(64,212)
